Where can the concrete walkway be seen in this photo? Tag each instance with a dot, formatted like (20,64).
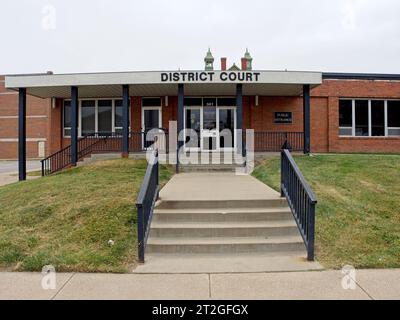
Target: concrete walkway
(370,284)
(9,170)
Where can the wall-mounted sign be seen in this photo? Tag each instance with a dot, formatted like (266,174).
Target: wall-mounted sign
(206,76)
(283,117)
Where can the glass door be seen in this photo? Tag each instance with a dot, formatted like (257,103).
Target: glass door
(226,128)
(192,128)
(151,119)
(209,135)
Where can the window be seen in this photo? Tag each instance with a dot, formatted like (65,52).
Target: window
(369,118)
(393,113)
(378,118)
(104,116)
(151,102)
(345,117)
(95,116)
(118,118)
(88,114)
(193,102)
(361,118)
(67,118)
(226,102)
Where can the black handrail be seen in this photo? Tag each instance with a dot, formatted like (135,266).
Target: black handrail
(301,200)
(145,203)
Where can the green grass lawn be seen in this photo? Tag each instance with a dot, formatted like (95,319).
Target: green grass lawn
(66,220)
(358,210)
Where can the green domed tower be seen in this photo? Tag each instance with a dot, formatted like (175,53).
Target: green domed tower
(209,61)
(249,60)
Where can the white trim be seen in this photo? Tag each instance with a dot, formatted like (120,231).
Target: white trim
(159,108)
(28,117)
(369,118)
(8,93)
(386,119)
(353,118)
(27,139)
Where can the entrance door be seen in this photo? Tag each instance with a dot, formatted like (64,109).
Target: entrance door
(192,128)
(226,127)
(151,119)
(209,136)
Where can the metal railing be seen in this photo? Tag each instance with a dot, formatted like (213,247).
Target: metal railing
(275,141)
(301,200)
(145,203)
(104,142)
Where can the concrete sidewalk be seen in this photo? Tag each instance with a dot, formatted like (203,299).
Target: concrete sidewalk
(370,284)
(9,170)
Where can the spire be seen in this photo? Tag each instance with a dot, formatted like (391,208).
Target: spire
(248,59)
(209,60)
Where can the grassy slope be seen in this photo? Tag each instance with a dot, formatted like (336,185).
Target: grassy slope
(66,220)
(358,211)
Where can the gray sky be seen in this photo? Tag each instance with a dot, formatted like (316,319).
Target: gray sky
(125,35)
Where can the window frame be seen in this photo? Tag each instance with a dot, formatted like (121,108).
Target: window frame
(353,135)
(113,127)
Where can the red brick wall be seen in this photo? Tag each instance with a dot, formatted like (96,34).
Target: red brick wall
(37,111)
(332,90)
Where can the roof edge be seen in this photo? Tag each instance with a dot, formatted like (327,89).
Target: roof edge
(359,76)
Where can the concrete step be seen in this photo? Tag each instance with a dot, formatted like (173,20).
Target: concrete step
(223,229)
(222,215)
(222,204)
(225,245)
(208,168)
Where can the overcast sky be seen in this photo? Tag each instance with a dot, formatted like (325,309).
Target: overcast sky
(124,35)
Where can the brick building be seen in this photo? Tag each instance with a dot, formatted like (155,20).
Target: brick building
(317,112)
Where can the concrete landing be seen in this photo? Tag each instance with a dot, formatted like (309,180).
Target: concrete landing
(238,263)
(216,186)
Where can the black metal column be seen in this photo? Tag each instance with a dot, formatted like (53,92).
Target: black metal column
(125,121)
(306,118)
(181,99)
(74,125)
(22,134)
(239,117)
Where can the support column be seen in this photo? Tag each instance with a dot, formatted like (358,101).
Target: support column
(74,125)
(181,99)
(239,118)
(22,134)
(125,121)
(306,118)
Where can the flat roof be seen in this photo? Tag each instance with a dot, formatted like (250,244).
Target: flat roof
(158,83)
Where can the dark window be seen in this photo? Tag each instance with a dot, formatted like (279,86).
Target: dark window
(88,117)
(345,113)
(118,122)
(394,114)
(378,118)
(105,116)
(362,118)
(67,114)
(193,102)
(151,102)
(226,102)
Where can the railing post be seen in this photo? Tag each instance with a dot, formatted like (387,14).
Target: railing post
(311,232)
(282,173)
(42,162)
(140,222)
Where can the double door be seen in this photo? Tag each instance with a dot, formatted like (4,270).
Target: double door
(210,128)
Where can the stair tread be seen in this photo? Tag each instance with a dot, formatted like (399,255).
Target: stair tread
(225,240)
(283,209)
(223,225)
